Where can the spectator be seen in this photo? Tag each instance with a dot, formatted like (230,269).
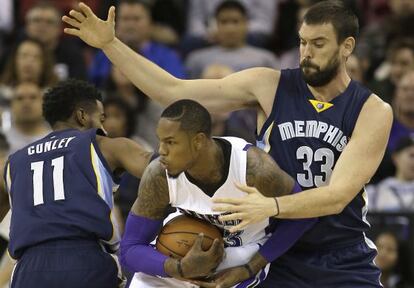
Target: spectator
(133,27)
(28,62)
(231,49)
(44,24)
(376,37)
(202,26)
(388,260)
(396,194)
(400,61)
(28,124)
(354,68)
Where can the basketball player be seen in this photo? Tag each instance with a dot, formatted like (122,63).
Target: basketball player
(60,190)
(193,169)
(325,130)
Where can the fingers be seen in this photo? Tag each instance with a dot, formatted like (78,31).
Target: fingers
(203,284)
(239,227)
(233,216)
(72,22)
(234,201)
(77,15)
(198,242)
(71,31)
(217,248)
(227,208)
(111,14)
(86,10)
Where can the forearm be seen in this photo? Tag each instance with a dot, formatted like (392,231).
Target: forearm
(148,77)
(311,203)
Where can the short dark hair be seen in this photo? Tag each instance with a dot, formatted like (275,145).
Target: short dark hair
(60,101)
(146,4)
(128,112)
(399,44)
(193,117)
(230,5)
(343,19)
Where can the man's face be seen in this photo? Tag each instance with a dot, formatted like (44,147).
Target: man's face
(44,25)
(404,161)
(387,252)
(115,121)
(29,62)
(401,62)
(404,100)
(319,54)
(133,25)
(26,104)
(95,117)
(231,28)
(177,152)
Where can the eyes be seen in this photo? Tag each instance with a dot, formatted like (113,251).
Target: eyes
(316,43)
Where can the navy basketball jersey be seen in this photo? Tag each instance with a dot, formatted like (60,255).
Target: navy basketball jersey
(60,187)
(306,138)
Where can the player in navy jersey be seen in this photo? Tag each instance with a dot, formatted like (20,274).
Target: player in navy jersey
(325,130)
(60,190)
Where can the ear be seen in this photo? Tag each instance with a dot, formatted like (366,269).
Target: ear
(199,140)
(348,46)
(81,117)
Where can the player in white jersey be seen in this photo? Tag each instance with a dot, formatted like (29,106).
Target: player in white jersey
(193,169)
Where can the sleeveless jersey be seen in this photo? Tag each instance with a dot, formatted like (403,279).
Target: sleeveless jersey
(190,199)
(60,187)
(306,138)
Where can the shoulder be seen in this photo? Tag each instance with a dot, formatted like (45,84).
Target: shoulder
(378,109)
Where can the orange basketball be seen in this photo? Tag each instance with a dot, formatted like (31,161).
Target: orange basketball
(178,235)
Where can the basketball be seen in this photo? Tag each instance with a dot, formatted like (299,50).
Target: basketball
(178,235)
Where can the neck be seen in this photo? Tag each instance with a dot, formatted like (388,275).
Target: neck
(65,125)
(400,176)
(406,120)
(31,128)
(209,165)
(332,89)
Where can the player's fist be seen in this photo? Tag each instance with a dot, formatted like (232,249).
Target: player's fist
(88,27)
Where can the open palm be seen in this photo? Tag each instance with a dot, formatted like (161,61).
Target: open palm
(88,27)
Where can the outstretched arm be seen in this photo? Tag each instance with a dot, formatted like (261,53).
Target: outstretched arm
(250,88)
(356,165)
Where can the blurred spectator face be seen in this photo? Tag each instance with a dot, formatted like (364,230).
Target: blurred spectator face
(115,121)
(401,62)
(387,256)
(354,69)
(231,28)
(121,82)
(26,104)
(404,100)
(43,24)
(29,62)
(133,23)
(404,162)
(401,7)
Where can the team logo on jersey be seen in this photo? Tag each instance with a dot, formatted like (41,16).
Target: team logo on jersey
(319,105)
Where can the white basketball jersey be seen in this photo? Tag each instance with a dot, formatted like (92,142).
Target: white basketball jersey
(190,199)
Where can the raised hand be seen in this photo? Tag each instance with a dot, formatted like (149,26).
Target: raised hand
(88,27)
(199,263)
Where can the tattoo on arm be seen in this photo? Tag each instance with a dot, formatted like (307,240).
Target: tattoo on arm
(264,174)
(153,197)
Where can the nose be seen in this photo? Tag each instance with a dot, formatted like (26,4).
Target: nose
(162,150)
(306,51)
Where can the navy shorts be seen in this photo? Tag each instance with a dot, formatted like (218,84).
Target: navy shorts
(66,264)
(347,267)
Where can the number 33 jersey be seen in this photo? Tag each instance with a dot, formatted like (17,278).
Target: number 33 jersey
(60,187)
(306,137)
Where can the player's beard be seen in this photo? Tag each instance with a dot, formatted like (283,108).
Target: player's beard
(319,77)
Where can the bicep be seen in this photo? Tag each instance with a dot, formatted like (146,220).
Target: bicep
(264,174)
(153,197)
(362,155)
(253,87)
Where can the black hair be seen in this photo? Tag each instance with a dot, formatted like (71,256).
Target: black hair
(128,112)
(4,144)
(60,101)
(231,5)
(343,19)
(399,44)
(146,4)
(193,117)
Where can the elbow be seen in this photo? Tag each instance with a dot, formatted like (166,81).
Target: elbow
(340,200)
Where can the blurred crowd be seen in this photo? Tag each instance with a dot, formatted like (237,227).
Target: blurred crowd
(212,39)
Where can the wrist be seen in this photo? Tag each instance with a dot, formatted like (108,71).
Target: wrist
(276,208)
(173,268)
(108,45)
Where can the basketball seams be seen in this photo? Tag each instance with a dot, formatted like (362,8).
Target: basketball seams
(172,251)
